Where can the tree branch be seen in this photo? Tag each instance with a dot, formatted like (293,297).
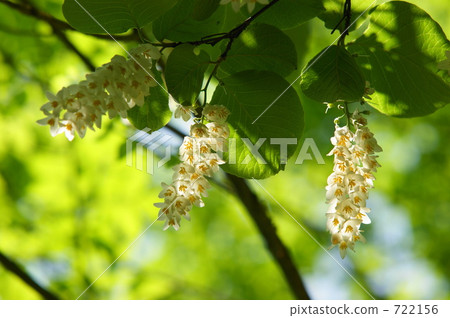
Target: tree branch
(256,209)
(231,35)
(258,213)
(27,279)
(57,27)
(73,48)
(279,251)
(29,10)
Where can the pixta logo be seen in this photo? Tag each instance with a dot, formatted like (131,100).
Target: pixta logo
(158,150)
(148,151)
(307,150)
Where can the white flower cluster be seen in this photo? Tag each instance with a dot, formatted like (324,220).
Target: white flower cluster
(113,88)
(200,156)
(349,184)
(237,4)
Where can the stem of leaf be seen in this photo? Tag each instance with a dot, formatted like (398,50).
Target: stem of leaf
(347,17)
(231,36)
(208,81)
(347,114)
(216,38)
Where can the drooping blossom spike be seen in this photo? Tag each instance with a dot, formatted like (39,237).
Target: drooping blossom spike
(348,186)
(200,158)
(111,89)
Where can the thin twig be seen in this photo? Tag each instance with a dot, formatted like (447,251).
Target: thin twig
(347,17)
(231,35)
(13,267)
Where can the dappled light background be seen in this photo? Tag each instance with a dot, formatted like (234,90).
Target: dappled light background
(69,209)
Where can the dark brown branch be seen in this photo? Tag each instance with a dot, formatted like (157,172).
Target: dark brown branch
(30,10)
(56,25)
(73,48)
(279,251)
(175,131)
(258,213)
(27,279)
(27,8)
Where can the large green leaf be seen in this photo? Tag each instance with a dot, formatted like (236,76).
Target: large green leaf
(185,72)
(287,14)
(204,8)
(183,23)
(248,95)
(155,113)
(399,53)
(261,47)
(333,75)
(113,16)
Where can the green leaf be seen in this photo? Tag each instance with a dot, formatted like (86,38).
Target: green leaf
(185,72)
(399,53)
(288,14)
(333,75)
(204,8)
(261,47)
(155,113)
(214,52)
(334,10)
(181,23)
(247,95)
(113,16)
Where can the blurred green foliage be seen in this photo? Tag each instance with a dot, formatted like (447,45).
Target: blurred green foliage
(68,210)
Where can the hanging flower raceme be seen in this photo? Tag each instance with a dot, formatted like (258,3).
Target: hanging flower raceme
(348,186)
(113,88)
(236,4)
(201,156)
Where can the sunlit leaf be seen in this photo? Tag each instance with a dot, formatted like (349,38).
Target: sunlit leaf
(334,9)
(399,54)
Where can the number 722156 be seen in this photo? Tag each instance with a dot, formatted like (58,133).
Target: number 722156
(416,309)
